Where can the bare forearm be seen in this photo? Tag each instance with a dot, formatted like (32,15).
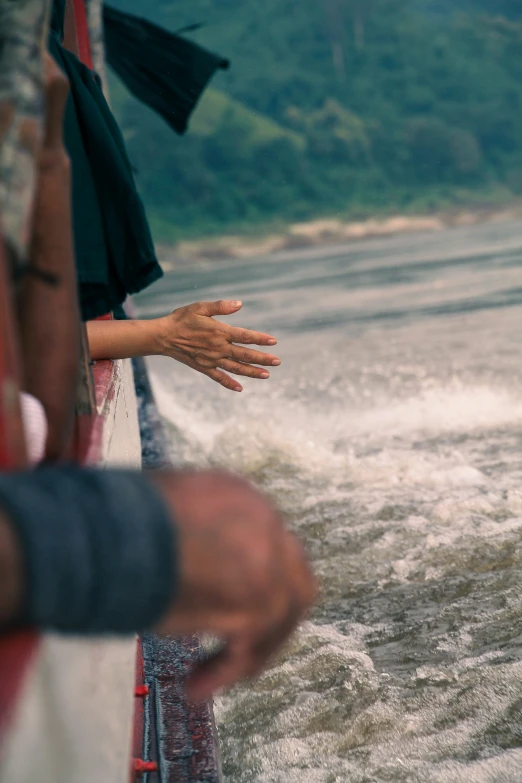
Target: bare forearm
(48,306)
(192,336)
(10,574)
(123,339)
(49,312)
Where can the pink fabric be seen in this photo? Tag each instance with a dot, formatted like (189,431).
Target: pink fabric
(35,426)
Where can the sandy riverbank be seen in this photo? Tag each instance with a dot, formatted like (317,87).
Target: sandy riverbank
(316,233)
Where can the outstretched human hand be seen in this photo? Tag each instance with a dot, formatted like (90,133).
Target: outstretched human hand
(243,576)
(192,335)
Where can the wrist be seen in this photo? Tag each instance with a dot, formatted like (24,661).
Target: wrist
(55,160)
(149,334)
(74,570)
(158,336)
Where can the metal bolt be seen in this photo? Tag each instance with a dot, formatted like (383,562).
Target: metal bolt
(141,767)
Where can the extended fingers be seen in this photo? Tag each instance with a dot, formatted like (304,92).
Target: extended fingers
(299,572)
(221,307)
(230,665)
(248,654)
(288,589)
(248,337)
(223,379)
(248,356)
(247,370)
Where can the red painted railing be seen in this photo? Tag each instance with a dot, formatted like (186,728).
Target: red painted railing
(76,21)
(82,32)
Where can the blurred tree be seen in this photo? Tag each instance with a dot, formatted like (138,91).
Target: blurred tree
(440,152)
(335,133)
(335,27)
(394,102)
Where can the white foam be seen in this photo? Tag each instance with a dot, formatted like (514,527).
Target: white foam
(254,437)
(455,408)
(394,445)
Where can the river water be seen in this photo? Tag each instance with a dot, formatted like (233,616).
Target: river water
(391,437)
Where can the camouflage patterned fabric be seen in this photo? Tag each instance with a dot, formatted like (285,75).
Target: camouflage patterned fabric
(23,35)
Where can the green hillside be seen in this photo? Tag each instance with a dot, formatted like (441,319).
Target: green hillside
(335,106)
(216,107)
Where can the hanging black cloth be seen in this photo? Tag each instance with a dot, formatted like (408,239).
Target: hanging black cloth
(167,72)
(114,250)
(58,17)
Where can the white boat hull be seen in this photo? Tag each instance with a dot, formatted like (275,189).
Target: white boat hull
(73,721)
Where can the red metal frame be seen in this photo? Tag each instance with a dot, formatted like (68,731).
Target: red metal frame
(16,651)
(76,31)
(104,386)
(140,767)
(88,429)
(82,32)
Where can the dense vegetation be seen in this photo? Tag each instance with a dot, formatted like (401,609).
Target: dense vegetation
(335,106)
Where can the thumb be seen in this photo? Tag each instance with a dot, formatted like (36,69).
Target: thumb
(221,307)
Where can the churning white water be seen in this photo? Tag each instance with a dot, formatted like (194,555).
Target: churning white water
(391,436)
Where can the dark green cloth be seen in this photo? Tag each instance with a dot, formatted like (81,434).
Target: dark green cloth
(114,250)
(58,17)
(167,72)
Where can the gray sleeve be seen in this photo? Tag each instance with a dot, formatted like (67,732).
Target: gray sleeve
(98,546)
